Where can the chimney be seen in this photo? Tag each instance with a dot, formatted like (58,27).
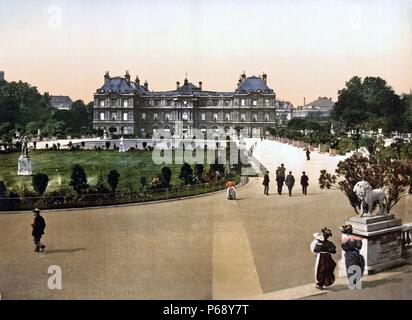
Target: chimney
(264,77)
(200,85)
(177,85)
(146,85)
(243,76)
(186,81)
(304,101)
(106,77)
(127,76)
(137,80)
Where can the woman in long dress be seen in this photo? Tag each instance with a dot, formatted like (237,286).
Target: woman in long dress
(352,246)
(325,265)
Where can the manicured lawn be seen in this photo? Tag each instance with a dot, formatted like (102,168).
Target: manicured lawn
(130,165)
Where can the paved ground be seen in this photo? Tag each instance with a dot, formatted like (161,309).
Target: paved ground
(201,248)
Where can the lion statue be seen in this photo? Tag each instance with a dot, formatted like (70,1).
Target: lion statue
(366,195)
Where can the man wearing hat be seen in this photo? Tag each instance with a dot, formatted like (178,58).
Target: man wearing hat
(38,230)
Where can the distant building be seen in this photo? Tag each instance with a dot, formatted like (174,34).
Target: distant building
(126,107)
(61,102)
(1,75)
(319,108)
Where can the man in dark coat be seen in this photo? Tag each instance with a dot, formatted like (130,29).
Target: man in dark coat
(38,230)
(266,181)
(307,154)
(280,177)
(352,246)
(290,182)
(304,183)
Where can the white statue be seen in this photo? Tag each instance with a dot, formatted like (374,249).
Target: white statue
(121,146)
(366,195)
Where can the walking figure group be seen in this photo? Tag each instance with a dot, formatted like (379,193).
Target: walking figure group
(282,179)
(325,265)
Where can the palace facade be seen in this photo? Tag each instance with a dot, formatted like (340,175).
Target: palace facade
(125,107)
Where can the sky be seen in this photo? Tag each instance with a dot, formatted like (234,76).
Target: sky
(307,48)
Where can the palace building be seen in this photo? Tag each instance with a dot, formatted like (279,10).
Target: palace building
(125,107)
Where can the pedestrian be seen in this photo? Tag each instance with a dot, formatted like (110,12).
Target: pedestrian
(38,230)
(265,182)
(281,171)
(354,261)
(280,179)
(325,265)
(290,182)
(307,153)
(230,192)
(304,183)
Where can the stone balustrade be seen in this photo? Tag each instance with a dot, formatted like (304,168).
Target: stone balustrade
(406,239)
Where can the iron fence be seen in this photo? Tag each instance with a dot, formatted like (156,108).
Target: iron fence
(106,199)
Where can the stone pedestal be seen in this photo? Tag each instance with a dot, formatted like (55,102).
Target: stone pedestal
(381,242)
(24,167)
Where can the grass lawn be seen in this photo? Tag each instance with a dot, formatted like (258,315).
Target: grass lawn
(130,165)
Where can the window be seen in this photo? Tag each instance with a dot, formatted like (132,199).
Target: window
(267,117)
(126,130)
(203,117)
(254,117)
(125,116)
(215,117)
(102,114)
(185,116)
(242,102)
(254,102)
(267,102)
(102,103)
(167,117)
(184,130)
(242,117)
(226,103)
(155,116)
(227,117)
(113,103)
(125,103)
(143,116)
(114,116)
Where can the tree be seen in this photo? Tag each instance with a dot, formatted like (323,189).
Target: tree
(393,177)
(186,172)
(113,179)
(165,177)
(78,179)
(199,169)
(40,182)
(143,182)
(369,101)
(100,186)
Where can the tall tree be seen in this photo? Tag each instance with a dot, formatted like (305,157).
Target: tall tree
(78,179)
(40,182)
(113,179)
(369,103)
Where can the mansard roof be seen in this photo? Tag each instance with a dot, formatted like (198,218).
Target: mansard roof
(121,86)
(253,84)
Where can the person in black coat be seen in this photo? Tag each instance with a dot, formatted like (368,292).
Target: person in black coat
(266,181)
(280,179)
(307,154)
(304,183)
(38,230)
(353,259)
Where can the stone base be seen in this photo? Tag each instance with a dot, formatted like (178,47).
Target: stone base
(24,166)
(381,242)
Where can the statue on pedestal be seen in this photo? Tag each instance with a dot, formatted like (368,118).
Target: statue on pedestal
(366,195)
(121,145)
(24,167)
